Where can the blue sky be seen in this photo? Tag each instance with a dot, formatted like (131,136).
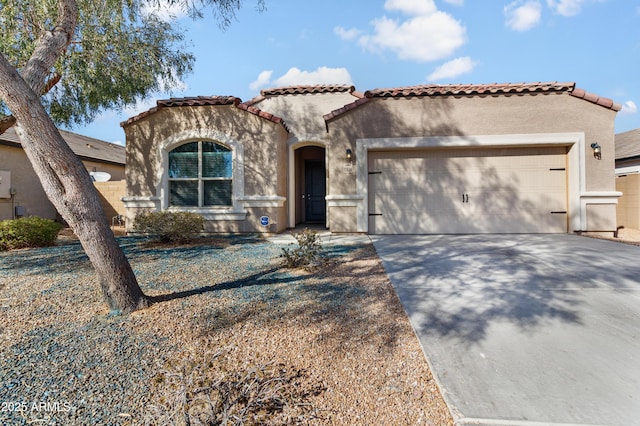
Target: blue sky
(391,43)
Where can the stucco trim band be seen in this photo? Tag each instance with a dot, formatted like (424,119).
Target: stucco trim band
(141,202)
(344,200)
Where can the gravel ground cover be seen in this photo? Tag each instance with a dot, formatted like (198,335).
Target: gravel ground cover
(332,346)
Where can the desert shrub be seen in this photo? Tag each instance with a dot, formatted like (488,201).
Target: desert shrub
(204,386)
(168,226)
(28,232)
(308,254)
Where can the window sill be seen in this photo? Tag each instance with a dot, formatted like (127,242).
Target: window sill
(213,213)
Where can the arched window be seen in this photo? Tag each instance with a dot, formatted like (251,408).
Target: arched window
(200,175)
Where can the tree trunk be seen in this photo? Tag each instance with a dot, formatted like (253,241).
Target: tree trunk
(69,187)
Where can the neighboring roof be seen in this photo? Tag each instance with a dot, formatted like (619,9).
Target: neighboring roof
(476,90)
(305,90)
(86,148)
(628,144)
(206,101)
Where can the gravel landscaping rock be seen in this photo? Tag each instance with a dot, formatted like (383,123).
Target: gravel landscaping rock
(332,346)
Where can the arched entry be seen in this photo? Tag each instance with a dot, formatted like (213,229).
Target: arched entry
(310,185)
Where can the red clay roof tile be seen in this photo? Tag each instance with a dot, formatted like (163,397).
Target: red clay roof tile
(304,90)
(592,97)
(469,89)
(476,89)
(207,101)
(199,101)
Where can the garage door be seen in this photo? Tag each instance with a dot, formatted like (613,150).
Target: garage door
(437,191)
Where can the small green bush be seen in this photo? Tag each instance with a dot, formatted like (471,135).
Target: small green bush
(170,227)
(28,232)
(308,254)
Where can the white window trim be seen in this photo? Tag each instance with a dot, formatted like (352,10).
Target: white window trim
(234,212)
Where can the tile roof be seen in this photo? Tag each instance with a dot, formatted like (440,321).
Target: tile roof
(83,146)
(598,100)
(628,144)
(206,101)
(469,89)
(305,90)
(476,90)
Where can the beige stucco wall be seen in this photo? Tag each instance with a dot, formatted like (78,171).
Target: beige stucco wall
(472,116)
(260,150)
(29,191)
(628,212)
(303,112)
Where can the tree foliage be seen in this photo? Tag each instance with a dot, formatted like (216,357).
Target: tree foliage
(120,51)
(61,62)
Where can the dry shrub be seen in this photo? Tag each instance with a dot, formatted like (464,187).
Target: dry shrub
(169,227)
(308,254)
(205,388)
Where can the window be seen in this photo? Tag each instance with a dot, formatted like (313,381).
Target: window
(200,175)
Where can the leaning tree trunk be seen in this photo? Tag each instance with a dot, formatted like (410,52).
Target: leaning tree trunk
(63,176)
(69,187)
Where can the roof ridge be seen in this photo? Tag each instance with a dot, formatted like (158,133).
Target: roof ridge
(308,89)
(476,89)
(470,89)
(598,100)
(207,101)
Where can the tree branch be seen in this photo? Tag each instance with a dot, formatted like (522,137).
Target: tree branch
(8,121)
(50,46)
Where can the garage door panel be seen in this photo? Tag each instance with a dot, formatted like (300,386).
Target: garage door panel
(468,191)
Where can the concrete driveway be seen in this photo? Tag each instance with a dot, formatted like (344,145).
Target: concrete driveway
(525,329)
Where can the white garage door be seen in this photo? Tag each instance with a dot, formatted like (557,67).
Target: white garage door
(437,191)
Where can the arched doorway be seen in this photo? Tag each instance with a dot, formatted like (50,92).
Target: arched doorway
(310,185)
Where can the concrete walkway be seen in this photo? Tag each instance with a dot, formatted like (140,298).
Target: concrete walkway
(326,237)
(525,329)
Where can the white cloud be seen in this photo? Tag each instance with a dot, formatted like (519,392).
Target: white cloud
(323,75)
(412,7)
(423,34)
(422,38)
(164,11)
(565,7)
(263,80)
(138,107)
(522,16)
(297,77)
(345,34)
(629,108)
(453,68)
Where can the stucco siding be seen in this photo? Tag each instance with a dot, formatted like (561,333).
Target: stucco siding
(259,150)
(29,193)
(303,112)
(396,118)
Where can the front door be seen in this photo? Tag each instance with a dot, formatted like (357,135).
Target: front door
(315,191)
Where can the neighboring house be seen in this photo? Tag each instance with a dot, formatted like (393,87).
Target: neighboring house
(426,159)
(21,193)
(628,178)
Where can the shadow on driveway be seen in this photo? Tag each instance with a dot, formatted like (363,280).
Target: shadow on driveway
(524,328)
